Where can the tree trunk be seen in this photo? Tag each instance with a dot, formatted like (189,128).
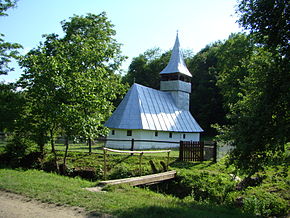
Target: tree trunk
(52,141)
(41,143)
(53,149)
(90,145)
(65,153)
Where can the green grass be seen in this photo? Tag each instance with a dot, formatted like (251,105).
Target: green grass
(123,201)
(98,148)
(118,165)
(203,184)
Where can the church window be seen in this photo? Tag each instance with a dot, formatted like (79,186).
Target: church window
(184,136)
(129,132)
(156,133)
(170,135)
(113,132)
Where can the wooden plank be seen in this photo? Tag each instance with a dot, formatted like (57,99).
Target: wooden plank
(136,152)
(142,180)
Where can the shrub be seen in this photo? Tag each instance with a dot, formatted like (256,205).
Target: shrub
(121,171)
(89,173)
(208,186)
(17,151)
(125,170)
(263,203)
(49,164)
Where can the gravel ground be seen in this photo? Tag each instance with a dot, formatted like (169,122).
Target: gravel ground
(15,206)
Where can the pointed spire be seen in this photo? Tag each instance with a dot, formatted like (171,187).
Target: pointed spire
(176,63)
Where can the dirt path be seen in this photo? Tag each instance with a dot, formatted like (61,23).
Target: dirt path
(15,206)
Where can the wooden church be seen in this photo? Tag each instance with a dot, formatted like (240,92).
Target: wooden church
(156,115)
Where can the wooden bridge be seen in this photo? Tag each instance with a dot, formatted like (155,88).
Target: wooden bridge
(140,180)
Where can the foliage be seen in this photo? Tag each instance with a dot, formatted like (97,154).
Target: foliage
(70,81)
(20,152)
(201,184)
(5,5)
(206,99)
(254,81)
(124,202)
(7,50)
(145,68)
(233,59)
(206,186)
(263,203)
(12,102)
(258,110)
(268,21)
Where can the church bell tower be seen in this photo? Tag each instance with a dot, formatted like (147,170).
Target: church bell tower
(176,78)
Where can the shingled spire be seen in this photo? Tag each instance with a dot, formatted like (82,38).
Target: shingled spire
(176,63)
(175,78)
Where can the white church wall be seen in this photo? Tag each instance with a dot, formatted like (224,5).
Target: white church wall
(120,134)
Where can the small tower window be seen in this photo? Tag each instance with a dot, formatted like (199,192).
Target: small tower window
(184,136)
(113,132)
(156,133)
(170,135)
(129,132)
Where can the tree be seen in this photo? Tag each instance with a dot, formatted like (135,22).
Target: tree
(70,82)
(7,50)
(258,114)
(233,56)
(206,100)
(145,68)
(259,120)
(12,102)
(268,21)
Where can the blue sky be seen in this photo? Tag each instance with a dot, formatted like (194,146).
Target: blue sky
(140,25)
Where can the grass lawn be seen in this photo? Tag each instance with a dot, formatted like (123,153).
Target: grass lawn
(196,184)
(123,201)
(98,149)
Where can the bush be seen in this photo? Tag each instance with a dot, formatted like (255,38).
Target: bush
(263,203)
(48,164)
(17,152)
(89,173)
(205,186)
(121,171)
(125,170)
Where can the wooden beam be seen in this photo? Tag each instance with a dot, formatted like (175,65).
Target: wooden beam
(142,180)
(136,152)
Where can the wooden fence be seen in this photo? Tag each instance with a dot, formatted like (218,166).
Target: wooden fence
(133,152)
(197,151)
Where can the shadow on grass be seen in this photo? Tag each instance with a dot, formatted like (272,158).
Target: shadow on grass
(196,211)
(188,165)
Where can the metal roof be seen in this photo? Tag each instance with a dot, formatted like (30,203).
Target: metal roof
(176,63)
(150,109)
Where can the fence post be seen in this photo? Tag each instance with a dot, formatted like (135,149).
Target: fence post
(201,151)
(132,146)
(140,163)
(168,160)
(105,164)
(215,152)
(180,151)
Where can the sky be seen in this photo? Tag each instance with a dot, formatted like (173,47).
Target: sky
(140,24)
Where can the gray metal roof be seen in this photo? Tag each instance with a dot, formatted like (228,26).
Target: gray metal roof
(150,109)
(176,63)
